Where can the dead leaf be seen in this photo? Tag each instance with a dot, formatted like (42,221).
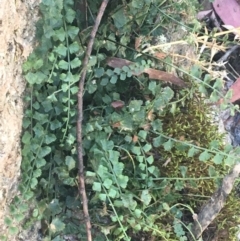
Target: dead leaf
(153,73)
(96,112)
(135,139)
(203,14)
(147,97)
(138,43)
(146,127)
(117,104)
(235,90)
(182,138)
(161,75)
(118,62)
(150,115)
(116,124)
(197,143)
(160,55)
(228,11)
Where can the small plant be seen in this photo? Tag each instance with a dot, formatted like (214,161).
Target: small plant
(151,152)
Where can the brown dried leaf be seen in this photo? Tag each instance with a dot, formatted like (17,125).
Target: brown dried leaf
(138,43)
(96,112)
(116,124)
(160,55)
(161,75)
(146,127)
(117,104)
(150,115)
(153,73)
(228,11)
(203,14)
(182,138)
(235,90)
(147,97)
(118,62)
(135,139)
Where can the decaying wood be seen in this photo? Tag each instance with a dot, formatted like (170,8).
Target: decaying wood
(211,209)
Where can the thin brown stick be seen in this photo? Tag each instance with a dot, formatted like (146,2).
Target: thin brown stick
(80,117)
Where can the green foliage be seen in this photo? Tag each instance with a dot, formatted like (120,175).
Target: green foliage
(49,152)
(147,166)
(140,157)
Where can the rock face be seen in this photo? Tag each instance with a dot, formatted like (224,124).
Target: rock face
(17,30)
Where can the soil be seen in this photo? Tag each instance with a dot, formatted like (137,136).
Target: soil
(17,30)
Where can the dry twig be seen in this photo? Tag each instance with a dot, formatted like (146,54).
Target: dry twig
(80,117)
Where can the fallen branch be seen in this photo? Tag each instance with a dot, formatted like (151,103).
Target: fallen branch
(81,181)
(211,209)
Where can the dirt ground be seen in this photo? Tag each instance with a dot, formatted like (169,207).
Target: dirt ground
(17,21)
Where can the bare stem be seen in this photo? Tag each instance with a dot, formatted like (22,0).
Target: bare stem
(81,181)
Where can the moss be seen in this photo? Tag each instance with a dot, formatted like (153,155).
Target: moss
(228,219)
(194,125)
